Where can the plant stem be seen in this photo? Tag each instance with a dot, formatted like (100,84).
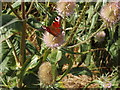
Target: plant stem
(64,23)
(14,11)
(22,44)
(77,24)
(30,8)
(23,9)
(22,56)
(22,72)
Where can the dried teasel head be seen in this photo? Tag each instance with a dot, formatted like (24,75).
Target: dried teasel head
(110,13)
(53,41)
(100,36)
(66,7)
(45,74)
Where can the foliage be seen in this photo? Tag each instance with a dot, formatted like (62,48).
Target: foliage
(80,44)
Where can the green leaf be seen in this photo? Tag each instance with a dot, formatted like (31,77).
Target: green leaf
(55,56)
(34,62)
(34,23)
(31,49)
(16,5)
(90,11)
(3,66)
(94,21)
(59,55)
(10,26)
(4,51)
(41,8)
(6,18)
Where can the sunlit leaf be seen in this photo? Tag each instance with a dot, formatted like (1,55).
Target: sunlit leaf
(9,27)
(34,23)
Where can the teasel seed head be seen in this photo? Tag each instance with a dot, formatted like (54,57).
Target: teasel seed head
(53,41)
(66,7)
(111,12)
(45,74)
(100,36)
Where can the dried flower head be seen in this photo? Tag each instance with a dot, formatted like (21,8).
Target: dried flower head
(111,12)
(53,41)
(65,7)
(107,84)
(45,74)
(100,36)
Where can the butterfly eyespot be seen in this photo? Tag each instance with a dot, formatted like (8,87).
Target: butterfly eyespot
(57,19)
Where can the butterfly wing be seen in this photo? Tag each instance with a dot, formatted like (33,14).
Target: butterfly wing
(54,29)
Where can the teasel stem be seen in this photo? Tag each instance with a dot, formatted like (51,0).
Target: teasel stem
(22,56)
(77,24)
(22,72)
(64,23)
(22,43)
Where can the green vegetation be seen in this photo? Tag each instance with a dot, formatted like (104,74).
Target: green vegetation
(23,50)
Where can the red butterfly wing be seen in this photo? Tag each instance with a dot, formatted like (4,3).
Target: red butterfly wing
(54,29)
(56,26)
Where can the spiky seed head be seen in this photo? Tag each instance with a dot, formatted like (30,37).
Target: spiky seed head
(52,41)
(45,74)
(111,12)
(100,36)
(65,7)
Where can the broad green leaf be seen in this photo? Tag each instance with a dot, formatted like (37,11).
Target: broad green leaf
(16,5)
(115,51)
(9,27)
(7,18)
(55,56)
(34,62)
(81,71)
(46,53)
(3,66)
(59,55)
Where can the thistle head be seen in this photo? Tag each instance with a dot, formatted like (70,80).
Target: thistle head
(100,36)
(45,74)
(65,7)
(53,41)
(110,13)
